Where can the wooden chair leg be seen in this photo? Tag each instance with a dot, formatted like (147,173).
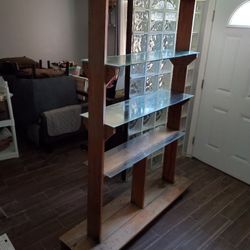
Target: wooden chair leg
(169,162)
(124,176)
(33,71)
(40,64)
(138,183)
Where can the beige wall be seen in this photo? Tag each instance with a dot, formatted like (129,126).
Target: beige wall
(44,29)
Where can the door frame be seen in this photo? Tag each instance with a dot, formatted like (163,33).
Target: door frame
(201,74)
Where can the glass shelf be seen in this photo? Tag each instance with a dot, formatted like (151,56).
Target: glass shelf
(131,59)
(137,107)
(127,154)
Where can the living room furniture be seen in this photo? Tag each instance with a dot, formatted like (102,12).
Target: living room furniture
(35,100)
(24,67)
(12,150)
(113,226)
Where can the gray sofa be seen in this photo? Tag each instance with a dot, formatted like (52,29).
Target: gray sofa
(39,103)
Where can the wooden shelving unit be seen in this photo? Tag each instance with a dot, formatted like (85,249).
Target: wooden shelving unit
(12,150)
(113,226)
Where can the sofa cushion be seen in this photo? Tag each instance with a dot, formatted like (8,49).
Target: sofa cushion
(63,120)
(35,96)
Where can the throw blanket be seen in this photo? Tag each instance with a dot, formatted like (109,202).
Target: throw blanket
(63,120)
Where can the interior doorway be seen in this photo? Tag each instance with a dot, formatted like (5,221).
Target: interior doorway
(222,136)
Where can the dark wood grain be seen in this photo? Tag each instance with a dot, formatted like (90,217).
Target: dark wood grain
(220,244)
(178,81)
(174,236)
(98,14)
(128,46)
(245,244)
(238,207)
(201,235)
(218,203)
(138,183)
(124,224)
(60,180)
(185,22)
(233,234)
(169,160)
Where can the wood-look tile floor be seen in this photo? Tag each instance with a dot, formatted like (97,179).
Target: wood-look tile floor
(43,195)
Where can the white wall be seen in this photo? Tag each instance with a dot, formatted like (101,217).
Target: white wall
(44,29)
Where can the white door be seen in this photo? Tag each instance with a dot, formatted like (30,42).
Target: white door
(223,130)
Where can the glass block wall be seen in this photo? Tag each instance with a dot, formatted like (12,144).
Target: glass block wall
(154,29)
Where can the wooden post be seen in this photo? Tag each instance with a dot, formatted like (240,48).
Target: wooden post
(128,45)
(48,64)
(40,64)
(178,82)
(138,183)
(127,70)
(67,69)
(98,14)
(33,71)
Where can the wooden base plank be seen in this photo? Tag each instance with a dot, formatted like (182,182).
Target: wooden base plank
(79,231)
(122,221)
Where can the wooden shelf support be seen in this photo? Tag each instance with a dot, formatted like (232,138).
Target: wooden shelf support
(138,183)
(98,27)
(122,221)
(178,82)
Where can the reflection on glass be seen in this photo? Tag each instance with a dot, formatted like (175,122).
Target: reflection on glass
(137,70)
(141,4)
(165,66)
(169,26)
(165,81)
(157,160)
(154,42)
(190,76)
(168,41)
(185,108)
(148,122)
(197,22)
(183,124)
(136,58)
(138,155)
(151,84)
(157,4)
(134,135)
(135,127)
(199,6)
(172,4)
(139,43)
(170,22)
(137,107)
(140,21)
(188,89)
(161,117)
(153,68)
(156,21)
(195,41)
(137,86)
